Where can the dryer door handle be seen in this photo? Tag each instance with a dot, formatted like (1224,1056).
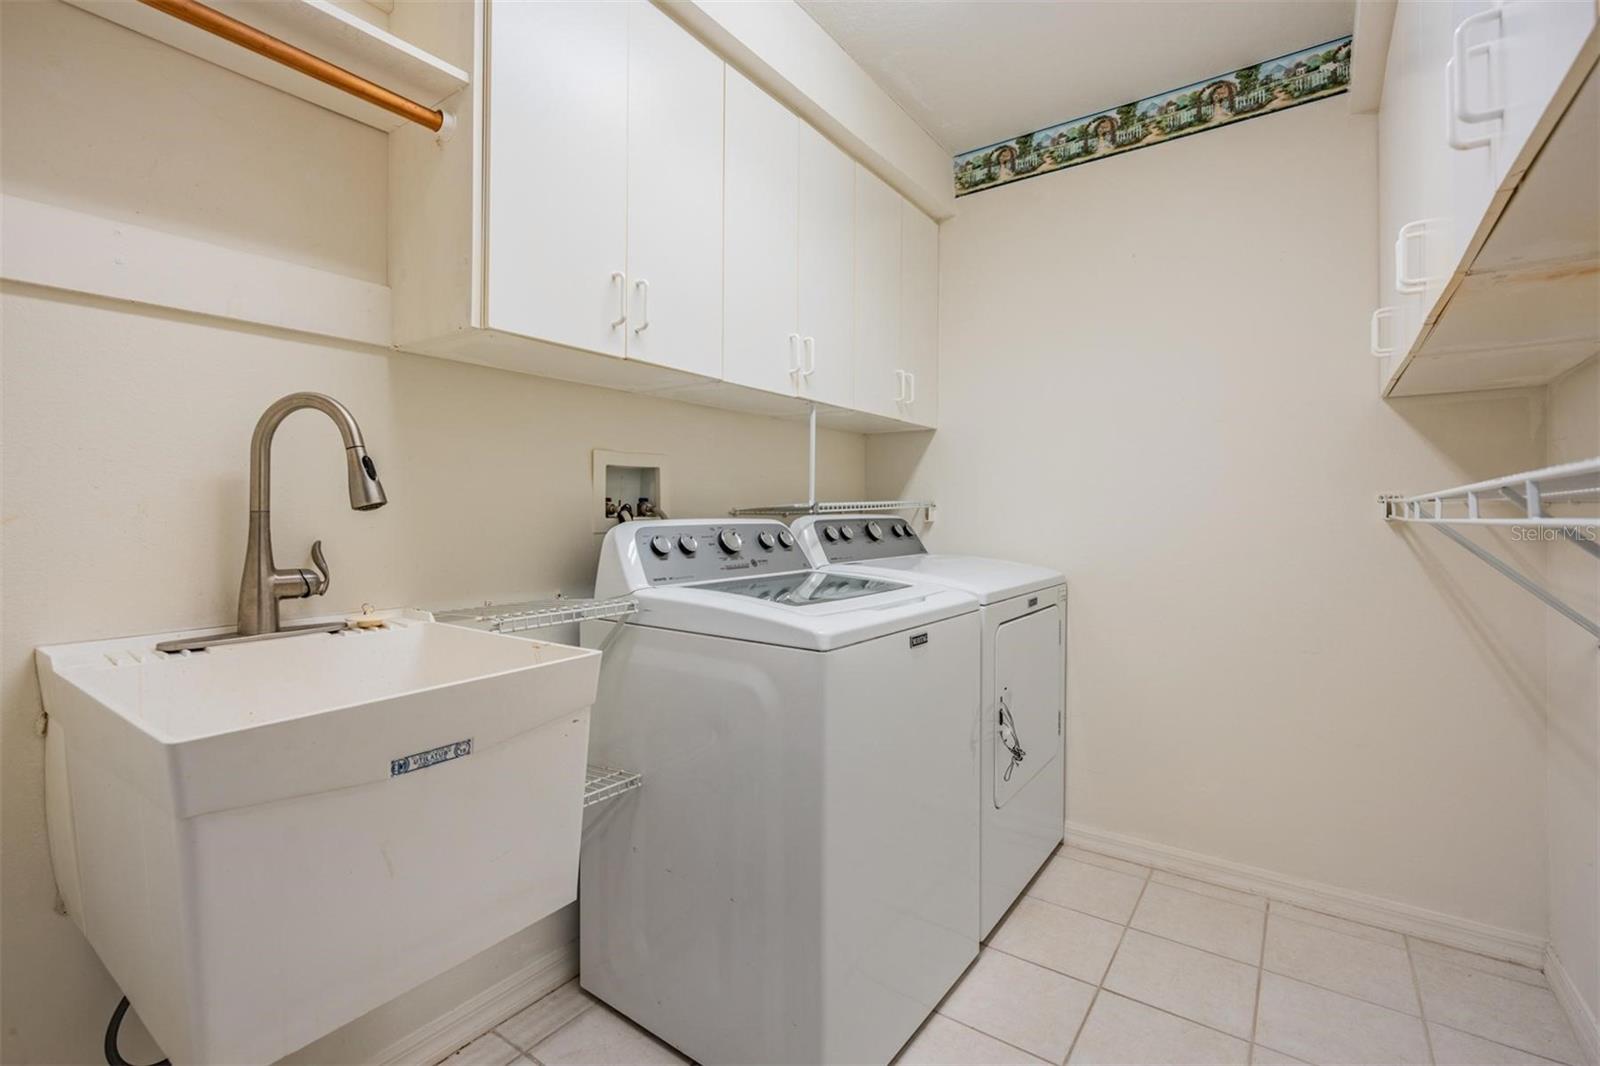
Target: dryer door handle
(1009,739)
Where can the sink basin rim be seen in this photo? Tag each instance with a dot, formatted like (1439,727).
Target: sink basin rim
(81,665)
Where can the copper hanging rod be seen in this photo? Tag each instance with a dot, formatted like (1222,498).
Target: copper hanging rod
(264,44)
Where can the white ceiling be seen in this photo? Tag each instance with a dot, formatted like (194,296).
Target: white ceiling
(974,72)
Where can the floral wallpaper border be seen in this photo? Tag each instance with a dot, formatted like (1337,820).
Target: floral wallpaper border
(1249,92)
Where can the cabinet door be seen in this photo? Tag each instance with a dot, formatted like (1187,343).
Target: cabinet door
(1541,38)
(761,232)
(1476,160)
(557,219)
(674,168)
(1414,179)
(827,239)
(878,386)
(919,315)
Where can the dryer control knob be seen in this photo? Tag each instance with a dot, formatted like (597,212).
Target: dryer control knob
(786,539)
(874,531)
(905,530)
(688,544)
(830,534)
(730,540)
(894,527)
(766,540)
(848,532)
(661,546)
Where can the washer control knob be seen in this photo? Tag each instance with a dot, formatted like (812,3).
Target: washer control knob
(894,527)
(688,544)
(661,546)
(905,530)
(766,540)
(848,532)
(830,534)
(730,540)
(874,531)
(786,539)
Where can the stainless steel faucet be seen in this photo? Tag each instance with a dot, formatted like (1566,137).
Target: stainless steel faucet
(264,584)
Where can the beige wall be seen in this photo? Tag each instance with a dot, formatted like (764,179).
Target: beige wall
(1574,687)
(125,435)
(1154,377)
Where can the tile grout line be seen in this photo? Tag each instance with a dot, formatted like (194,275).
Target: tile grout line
(972,1029)
(1459,1029)
(1261,970)
(1422,1007)
(528,1051)
(1501,1043)
(1100,986)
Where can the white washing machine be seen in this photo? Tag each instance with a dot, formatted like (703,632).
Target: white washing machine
(796,880)
(1020,715)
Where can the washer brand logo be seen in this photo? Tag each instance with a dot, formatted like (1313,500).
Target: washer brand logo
(1033,601)
(919,639)
(424,759)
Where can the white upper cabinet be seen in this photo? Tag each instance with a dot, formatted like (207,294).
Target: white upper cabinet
(674,195)
(761,340)
(919,316)
(826,266)
(879,376)
(616,206)
(1472,94)
(557,239)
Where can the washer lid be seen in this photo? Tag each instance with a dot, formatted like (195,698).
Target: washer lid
(813,610)
(990,580)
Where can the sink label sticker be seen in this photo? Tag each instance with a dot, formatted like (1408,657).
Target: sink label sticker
(433,757)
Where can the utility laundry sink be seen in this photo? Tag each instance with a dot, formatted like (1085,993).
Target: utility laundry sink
(263,841)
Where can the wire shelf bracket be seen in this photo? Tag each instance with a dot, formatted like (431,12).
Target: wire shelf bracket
(1530,493)
(601,783)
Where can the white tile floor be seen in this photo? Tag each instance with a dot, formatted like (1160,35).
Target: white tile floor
(1104,961)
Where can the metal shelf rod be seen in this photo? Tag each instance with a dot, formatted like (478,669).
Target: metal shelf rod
(1531,493)
(264,44)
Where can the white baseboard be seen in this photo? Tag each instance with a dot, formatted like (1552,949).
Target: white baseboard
(446,1033)
(1584,1025)
(1522,948)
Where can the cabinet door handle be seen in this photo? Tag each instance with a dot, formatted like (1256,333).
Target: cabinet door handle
(911,390)
(1459,53)
(1378,317)
(643,287)
(794,354)
(899,386)
(1404,283)
(810,346)
(620,280)
(1452,114)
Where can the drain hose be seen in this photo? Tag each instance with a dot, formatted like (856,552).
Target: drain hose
(113,1056)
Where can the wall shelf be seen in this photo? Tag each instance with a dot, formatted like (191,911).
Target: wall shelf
(601,783)
(537,614)
(321,28)
(790,510)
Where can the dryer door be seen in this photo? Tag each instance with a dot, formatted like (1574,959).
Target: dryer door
(1029,671)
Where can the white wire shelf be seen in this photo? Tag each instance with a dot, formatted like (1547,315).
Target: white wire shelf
(1529,494)
(537,614)
(601,783)
(785,510)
